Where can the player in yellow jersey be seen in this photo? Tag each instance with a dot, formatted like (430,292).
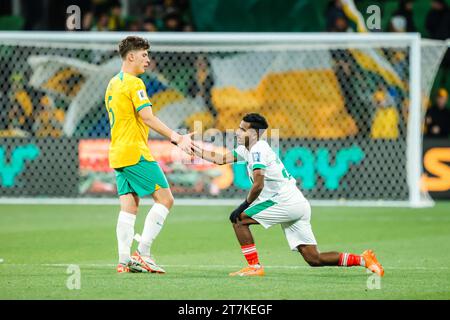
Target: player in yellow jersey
(137,172)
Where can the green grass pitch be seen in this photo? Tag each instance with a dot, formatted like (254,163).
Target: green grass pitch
(198,248)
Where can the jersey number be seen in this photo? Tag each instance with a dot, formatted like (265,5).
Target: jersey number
(286,174)
(112,118)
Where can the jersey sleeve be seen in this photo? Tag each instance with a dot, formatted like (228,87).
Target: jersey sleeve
(258,156)
(108,96)
(139,95)
(239,153)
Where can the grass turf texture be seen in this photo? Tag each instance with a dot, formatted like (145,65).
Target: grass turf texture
(198,248)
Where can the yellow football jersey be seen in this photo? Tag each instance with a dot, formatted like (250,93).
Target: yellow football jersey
(125,96)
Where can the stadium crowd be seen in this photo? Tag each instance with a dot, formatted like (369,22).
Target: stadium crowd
(112,15)
(159,15)
(30,113)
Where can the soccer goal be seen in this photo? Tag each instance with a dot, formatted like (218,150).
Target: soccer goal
(345,112)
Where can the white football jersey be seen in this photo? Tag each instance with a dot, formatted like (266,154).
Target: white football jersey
(278,183)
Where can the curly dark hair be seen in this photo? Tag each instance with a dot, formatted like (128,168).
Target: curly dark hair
(131,43)
(256,121)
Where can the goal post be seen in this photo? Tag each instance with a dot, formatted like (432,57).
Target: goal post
(414,140)
(345,110)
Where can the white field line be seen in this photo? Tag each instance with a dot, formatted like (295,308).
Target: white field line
(202,202)
(212,266)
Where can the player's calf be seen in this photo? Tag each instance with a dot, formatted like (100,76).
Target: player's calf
(313,261)
(319,259)
(316,259)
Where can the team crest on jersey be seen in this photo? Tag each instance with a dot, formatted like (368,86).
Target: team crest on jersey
(142,95)
(256,156)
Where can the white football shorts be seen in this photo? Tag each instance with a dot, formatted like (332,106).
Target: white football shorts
(293,216)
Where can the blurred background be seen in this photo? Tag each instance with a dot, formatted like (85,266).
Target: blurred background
(431,18)
(356,93)
(346,101)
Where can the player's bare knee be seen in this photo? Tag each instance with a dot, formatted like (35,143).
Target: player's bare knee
(166,203)
(129,208)
(313,261)
(312,257)
(239,223)
(169,202)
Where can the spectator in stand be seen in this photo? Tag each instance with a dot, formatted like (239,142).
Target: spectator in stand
(341,25)
(172,21)
(336,20)
(185,12)
(101,23)
(149,25)
(385,124)
(438,27)
(116,20)
(438,20)
(153,14)
(201,83)
(108,15)
(344,16)
(100,6)
(188,28)
(405,10)
(199,89)
(134,25)
(88,20)
(437,118)
(397,24)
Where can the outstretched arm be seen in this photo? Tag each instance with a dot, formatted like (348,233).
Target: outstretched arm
(152,121)
(214,156)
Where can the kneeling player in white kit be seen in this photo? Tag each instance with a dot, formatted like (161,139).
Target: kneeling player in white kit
(275,199)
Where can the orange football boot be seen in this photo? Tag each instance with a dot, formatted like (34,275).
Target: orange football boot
(372,263)
(249,271)
(122,268)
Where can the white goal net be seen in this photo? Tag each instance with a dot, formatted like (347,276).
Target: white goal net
(345,111)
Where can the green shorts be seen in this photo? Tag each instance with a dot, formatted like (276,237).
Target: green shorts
(143,178)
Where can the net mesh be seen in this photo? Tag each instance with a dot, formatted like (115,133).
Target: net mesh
(338,115)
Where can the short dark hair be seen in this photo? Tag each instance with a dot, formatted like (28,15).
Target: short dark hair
(131,43)
(256,121)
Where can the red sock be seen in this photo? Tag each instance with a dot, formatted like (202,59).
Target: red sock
(250,254)
(349,260)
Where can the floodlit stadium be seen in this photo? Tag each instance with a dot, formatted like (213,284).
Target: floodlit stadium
(154,147)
